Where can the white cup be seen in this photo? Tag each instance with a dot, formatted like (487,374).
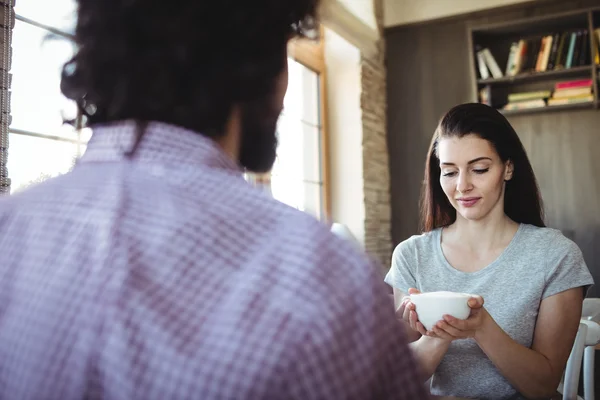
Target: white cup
(432,306)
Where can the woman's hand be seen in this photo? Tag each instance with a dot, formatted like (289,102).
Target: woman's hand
(451,328)
(407,312)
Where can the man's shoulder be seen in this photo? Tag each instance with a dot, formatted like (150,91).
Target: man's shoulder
(64,191)
(314,238)
(72,204)
(316,259)
(283,223)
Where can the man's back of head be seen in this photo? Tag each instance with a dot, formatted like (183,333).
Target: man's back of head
(200,65)
(153,270)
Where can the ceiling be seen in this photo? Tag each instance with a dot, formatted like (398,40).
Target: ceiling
(402,12)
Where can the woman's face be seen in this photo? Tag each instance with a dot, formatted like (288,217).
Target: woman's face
(472,176)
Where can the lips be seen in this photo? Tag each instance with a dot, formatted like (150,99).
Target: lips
(468,201)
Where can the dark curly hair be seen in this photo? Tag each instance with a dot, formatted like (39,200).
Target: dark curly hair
(184,62)
(522,199)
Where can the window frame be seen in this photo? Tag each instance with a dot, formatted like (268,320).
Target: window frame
(311,54)
(78,122)
(308,52)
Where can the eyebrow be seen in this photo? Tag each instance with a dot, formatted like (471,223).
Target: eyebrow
(470,162)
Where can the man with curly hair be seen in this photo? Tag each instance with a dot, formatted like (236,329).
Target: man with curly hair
(153,270)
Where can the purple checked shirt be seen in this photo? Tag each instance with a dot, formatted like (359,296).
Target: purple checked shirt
(167,276)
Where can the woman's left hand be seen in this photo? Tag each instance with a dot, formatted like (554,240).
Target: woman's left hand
(451,328)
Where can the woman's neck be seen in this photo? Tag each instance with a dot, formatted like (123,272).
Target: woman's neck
(483,235)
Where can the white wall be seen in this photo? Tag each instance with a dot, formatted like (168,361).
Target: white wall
(363,10)
(399,12)
(345,133)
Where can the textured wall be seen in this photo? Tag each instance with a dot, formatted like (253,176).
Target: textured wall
(376,175)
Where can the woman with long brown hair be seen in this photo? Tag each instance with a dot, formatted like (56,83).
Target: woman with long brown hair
(484,233)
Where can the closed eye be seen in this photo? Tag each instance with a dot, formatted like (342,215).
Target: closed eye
(449,174)
(481,171)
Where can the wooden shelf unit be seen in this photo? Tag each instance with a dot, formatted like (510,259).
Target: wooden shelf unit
(497,37)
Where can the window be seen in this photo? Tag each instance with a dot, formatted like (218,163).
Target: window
(41,145)
(298,177)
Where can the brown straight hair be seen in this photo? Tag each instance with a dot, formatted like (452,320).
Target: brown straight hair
(522,200)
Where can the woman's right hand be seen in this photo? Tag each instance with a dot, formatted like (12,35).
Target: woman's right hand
(407,312)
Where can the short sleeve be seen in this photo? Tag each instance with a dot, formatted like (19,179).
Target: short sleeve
(566,269)
(401,274)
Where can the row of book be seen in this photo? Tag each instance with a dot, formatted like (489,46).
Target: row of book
(569,92)
(543,53)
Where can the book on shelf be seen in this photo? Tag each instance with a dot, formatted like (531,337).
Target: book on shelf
(596,41)
(525,105)
(491,97)
(483,69)
(527,100)
(574,84)
(485,95)
(510,65)
(539,94)
(570,100)
(566,92)
(572,92)
(551,52)
(490,61)
(487,64)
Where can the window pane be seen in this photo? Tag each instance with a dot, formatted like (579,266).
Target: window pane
(302,98)
(32,160)
(299,151)
(59,14)
(37,105)
(305,196)
(313,200)
(297,174)
(85,135)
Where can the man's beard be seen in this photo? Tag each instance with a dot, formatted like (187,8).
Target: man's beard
(258,148)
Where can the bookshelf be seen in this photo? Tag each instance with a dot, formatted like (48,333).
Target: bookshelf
(538,76)
(536,110)
(537,64)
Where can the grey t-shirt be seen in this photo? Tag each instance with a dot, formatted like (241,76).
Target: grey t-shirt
(538,263)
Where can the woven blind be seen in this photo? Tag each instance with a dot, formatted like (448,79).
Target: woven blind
(7,19)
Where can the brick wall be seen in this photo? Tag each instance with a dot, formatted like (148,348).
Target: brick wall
(7,22)
(376,175)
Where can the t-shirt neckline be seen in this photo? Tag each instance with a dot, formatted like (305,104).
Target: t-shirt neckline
(440,253)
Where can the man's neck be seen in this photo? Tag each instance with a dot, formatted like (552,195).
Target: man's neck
(230,141)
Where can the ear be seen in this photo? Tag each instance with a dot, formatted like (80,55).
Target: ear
(508,170)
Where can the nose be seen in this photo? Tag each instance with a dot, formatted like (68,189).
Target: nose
(463,185)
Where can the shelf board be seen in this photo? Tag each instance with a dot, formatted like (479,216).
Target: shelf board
(575,106)
(527,24)
(536,76)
